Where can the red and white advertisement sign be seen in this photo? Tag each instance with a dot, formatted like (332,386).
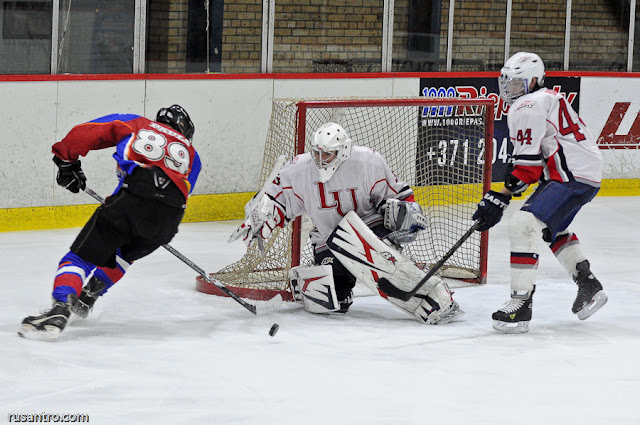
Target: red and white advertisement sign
(622,128)
(611,107)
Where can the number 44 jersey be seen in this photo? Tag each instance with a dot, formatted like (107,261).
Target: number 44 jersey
(139,142)
(551,142)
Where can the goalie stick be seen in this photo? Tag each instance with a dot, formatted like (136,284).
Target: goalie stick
(265,307)
(393,291)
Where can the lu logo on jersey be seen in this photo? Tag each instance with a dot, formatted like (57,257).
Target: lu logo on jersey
(336,202)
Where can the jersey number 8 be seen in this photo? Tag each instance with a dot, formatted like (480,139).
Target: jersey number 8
(154,146)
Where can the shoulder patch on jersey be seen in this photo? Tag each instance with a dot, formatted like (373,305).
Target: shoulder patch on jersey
(525,104)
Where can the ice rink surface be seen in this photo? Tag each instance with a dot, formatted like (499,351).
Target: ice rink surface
(156,351)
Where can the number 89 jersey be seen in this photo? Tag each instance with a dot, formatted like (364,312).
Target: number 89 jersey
(139,142)
(551,142)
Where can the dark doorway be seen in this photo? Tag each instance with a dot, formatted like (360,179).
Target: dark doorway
(197,36)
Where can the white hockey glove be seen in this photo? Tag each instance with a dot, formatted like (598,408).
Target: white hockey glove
(258,226)
(404,219)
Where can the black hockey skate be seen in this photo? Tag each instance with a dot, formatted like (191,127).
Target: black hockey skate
(83,304)
(346,303)
(514,316)
(48,325)
(590,296)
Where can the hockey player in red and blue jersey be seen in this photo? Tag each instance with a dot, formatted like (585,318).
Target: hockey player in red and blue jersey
(552,146)
(157,170)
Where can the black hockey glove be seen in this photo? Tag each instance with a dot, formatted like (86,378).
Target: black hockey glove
(490,209)
(70,175)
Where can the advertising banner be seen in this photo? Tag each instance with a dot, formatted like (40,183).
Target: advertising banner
(488,88)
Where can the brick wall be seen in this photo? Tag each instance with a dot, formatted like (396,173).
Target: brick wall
(167,36)
(242,36)
(346,35)
(313,35)
(598,36)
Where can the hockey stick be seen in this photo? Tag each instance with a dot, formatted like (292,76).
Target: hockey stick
(393,291)
(268,306)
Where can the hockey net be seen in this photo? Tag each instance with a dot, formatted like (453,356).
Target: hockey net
(436,145)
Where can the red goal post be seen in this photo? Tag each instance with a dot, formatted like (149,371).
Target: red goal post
(437,145)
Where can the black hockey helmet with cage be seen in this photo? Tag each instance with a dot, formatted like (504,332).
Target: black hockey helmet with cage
(177,118)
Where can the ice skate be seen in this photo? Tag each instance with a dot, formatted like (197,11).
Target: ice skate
(48,325)
(514,316)
(83,304)
(590,296)
(345,303)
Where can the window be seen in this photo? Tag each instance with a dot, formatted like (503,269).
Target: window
(26,20)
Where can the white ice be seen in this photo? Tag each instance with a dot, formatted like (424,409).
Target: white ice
(156,351)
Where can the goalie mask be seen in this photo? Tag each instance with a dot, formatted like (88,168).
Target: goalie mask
(517,73)
(330,147)
(177,118)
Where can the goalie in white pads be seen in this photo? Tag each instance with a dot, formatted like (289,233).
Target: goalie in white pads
(334,181)
(552,145)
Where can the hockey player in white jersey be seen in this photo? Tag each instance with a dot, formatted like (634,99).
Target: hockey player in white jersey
(348,188)
(552,146)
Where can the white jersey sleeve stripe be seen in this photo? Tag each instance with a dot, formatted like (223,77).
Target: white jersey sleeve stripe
(529,160)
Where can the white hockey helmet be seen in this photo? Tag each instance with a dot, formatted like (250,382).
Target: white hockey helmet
(517,73)
(330,147)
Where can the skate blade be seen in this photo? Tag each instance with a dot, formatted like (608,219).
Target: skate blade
(77,307)
(79,311)
(596,303)
(511,328)
(49,333)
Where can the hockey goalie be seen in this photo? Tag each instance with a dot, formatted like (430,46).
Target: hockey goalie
(363,215)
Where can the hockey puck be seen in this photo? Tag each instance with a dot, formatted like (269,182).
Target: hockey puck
(274,329)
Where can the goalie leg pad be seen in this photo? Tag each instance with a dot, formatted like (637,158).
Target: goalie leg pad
(369,259)
(315,286)
(436,306)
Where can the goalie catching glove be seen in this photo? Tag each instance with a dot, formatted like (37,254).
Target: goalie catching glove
(258,226)
(404,220)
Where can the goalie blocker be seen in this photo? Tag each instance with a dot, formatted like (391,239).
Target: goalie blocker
(368,258)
